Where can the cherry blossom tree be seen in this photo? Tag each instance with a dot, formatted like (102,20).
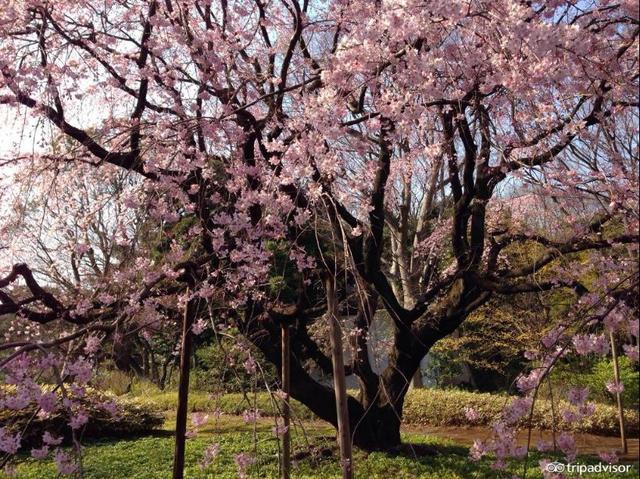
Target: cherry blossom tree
(405,148)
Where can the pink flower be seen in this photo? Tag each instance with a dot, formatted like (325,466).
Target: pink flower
(92,345)
(591,343)
(517,409)
(81,248)
(634,327)
(50,440)
(552,337)
(567,445)
(281,394)
(250,415)
(470,413)
(631,352)
(9,443)
(19,401)
(78,420)
(109,406)
(543,445)
(528,382)
(81,370)
(199,419)
(609,457)
(478,450)
(250,365)
(47,401)
(577,396)
(243,461)
(199,326)
(570,416)
(614,319)
(64,463)
(614,388)
(210,453)
(40,453)
(587,409)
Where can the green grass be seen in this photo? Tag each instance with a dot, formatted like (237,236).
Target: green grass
(151,457)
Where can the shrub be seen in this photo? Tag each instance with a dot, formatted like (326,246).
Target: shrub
(595,375)
(432,407)
(441,407)
(135,416)
(113,380)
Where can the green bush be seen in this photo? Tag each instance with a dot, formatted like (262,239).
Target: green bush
(441,407)
(586,372)
(113,380)
(135,416)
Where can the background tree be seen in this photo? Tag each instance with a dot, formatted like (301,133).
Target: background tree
(381,141)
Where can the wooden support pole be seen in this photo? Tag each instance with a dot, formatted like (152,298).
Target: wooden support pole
(339,381)
(616,377)
(183,391)
(286,411)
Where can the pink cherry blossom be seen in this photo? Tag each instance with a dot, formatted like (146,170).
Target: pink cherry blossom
(78,420)
(209,455)
(41,453)
(9,443)
(615,387)
(577,396)
(48,401)
(50,440)
(610,457)
(64,463)
(470,413)
(199,419)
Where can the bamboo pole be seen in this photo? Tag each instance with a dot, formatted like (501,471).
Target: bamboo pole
(339,381)
(616,377)
(286,411)
(183,391)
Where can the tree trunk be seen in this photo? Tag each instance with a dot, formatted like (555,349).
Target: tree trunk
(378,430)
(374,421)
(416,380)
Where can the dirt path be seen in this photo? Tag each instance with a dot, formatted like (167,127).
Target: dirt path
(587,443)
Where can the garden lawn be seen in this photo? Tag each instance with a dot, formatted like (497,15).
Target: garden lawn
(150,457)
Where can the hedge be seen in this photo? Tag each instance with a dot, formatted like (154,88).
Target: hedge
(429,407)
(135,416)
(438,407)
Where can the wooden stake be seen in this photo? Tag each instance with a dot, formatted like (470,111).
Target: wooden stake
(183,392)
(616,377)
(286,412)
(339,381)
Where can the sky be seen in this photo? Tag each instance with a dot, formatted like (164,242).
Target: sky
(18,132)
